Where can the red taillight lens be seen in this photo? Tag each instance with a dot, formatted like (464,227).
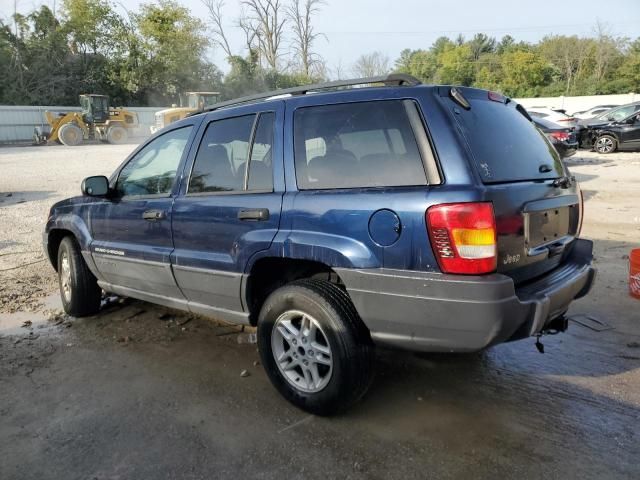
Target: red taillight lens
(568,119)
(463,237)
(560,136)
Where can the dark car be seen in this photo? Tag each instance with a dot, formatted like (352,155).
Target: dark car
(563,139)
(622,135)
(430,218)
(587,126)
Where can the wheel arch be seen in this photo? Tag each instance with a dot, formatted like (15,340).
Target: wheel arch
(267,274)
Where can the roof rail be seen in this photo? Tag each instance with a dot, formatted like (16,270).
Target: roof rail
(391,79)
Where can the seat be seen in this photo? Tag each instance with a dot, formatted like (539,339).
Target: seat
(335,169)
(212,172)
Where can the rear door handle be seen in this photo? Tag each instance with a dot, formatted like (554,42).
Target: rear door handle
(154,215)
(257,214)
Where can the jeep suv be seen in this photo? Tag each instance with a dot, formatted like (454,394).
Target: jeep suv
(429,218)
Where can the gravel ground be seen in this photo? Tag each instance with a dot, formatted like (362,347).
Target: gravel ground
(140,391)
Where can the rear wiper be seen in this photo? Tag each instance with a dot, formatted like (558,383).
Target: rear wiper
(564,182)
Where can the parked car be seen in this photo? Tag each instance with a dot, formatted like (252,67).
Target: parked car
(587,127)
(622,135)
(556,116)
(563,139)
(335,221)
(593,112)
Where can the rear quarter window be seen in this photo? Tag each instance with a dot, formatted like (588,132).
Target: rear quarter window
(353,145)
(505,146)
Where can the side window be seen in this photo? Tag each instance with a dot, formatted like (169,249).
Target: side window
(152,170)
(225,151)
(621,113)
(356,145)
(260,175)
(221,159)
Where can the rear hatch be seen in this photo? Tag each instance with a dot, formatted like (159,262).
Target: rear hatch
(537,206)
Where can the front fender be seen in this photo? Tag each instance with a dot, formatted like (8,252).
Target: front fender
(56,228)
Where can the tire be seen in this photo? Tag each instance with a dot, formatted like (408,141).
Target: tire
(117,135)
(70,134)
(339,370)
(606,144)
(79,289)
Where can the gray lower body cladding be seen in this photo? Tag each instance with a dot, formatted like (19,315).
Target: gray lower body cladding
(435,312)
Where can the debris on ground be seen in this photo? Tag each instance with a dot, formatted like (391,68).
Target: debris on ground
(244,373)
(27,323)
(633,344)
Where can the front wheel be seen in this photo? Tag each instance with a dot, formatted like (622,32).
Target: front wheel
(70,134)
(314,347)
(606,144)
(79,289)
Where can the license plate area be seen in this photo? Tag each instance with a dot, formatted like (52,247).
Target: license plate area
(546,226)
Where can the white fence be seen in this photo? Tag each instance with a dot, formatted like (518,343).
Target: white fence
(17,122)
(577,104)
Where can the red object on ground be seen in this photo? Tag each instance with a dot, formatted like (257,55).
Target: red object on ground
(634,273)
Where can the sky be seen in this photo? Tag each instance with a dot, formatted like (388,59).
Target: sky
(354,27)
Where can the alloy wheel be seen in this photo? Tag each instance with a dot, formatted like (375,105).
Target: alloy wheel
(302,351)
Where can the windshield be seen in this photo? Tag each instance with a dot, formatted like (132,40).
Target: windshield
(202,101)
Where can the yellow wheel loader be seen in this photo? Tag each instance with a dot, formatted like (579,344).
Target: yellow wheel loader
(196,101)
(97,120)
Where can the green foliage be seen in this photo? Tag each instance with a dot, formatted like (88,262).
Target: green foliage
(557,65)
(151,56)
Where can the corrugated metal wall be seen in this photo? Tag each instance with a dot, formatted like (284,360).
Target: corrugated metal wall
(17,122)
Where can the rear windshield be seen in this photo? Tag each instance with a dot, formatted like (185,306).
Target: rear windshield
(505,145)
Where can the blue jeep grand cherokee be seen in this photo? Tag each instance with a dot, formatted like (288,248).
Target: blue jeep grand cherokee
(430,218)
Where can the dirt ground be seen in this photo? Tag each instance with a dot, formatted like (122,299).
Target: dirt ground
(142,392)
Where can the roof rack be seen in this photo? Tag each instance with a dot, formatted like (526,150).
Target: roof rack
(391,79)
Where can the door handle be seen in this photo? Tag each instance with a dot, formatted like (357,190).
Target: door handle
(257,214)
(154,215)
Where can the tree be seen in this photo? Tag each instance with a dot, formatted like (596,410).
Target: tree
(174,45)
(267,19)
(421,64)
(456,66)
(219,36)
(371,65)
(629,71)
(523,73)
(300,13)
(568,54)
(481,44)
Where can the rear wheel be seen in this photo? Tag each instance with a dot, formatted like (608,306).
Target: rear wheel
(79,289)
(606,144)
(117,135)
(70,134)
(314,347)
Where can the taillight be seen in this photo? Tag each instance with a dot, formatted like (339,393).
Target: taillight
(463,237)
(568,119)
(560,136)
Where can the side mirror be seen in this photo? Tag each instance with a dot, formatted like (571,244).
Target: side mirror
(97,186)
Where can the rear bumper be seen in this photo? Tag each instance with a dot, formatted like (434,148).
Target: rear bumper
(435,312)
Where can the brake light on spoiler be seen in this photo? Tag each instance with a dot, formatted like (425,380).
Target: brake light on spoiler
(463,237)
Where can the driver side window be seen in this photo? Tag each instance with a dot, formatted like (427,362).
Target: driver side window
(152,170)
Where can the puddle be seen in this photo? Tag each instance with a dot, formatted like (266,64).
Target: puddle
(14,323)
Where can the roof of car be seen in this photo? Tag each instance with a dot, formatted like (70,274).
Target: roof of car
(391,80)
